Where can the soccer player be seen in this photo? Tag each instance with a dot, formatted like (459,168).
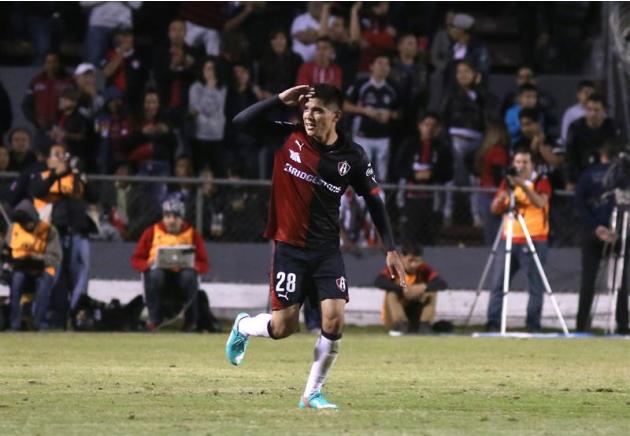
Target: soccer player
(311,172)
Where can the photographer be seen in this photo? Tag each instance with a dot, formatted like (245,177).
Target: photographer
(531,193)
(60,194)
(595,212)
(32,255)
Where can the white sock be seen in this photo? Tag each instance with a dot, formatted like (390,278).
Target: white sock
(324,356)
(255,326)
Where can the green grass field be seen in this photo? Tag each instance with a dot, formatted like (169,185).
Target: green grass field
(169,383)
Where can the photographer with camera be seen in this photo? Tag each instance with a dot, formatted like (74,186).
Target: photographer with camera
(60,195)
(531,194)
(595,209)
(31,257)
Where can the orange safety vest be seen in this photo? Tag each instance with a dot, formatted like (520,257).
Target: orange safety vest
(24,243)
(163,239)
(63,186)
(536,218)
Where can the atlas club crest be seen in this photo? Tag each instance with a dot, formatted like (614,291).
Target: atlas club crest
(343,168)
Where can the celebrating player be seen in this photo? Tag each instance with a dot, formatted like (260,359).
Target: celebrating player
(311,172)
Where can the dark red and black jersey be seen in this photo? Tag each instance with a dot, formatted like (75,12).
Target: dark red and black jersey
(308,182)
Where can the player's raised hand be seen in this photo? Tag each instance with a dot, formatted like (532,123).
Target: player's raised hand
(297,95)
(395,266)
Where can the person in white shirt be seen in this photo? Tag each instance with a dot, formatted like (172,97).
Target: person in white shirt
(305,30)
(578,110)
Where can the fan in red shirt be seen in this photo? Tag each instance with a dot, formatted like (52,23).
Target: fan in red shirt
(321,69)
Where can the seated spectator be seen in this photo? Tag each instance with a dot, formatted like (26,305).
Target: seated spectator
(378,35)
(356,229)
(241,94)
(41,102)
(321,69)
(547,155)
(466,47)
(34,252)
(586,135)
(170,285)
(412,309)
(20,154)
(305,30)
(104,19)
(74,130)
(409,77)
(578,110)
(345,40)
(184,191)
(90,100)
(207,100)
(173,65)
(124,68)
(375,102)
(279,65)
(113,128)
(527,99)
(152,141)
(424,159)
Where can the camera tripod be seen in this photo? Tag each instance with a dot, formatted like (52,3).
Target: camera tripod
(512,214)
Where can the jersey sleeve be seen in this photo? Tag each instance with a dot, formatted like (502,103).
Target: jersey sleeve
(362,178)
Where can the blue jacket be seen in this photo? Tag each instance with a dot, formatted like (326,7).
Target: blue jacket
(514,124)
(591,208)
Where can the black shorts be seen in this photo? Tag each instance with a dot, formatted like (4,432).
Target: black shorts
(300,273)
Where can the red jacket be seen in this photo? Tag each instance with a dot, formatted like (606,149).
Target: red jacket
(42,96)
(143,255)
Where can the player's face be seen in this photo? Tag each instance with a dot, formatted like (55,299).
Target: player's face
(523,164)
(172,222)
(319,120)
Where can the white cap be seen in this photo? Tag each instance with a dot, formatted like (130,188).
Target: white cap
(463,21)
(83,68)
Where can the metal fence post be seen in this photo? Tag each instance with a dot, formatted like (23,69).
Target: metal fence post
(199,209)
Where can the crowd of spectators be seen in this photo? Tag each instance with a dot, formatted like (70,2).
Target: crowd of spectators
(417,100)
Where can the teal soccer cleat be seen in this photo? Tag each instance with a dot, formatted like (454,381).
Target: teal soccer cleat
(316,401)
(237,342)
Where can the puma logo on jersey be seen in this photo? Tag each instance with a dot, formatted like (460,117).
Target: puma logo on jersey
(295,156)
(299,144)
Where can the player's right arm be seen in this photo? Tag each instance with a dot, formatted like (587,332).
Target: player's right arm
(253,118)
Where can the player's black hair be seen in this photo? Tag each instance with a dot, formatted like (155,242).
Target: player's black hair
(597,98)
(529,113)
(328,94)
(586,83)
(411,248)
(526,87)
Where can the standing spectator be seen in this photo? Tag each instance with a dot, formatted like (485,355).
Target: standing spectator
(113,128)
(532,193)
(152,140)
(124,68)
(578,110)
(527,99)
(345,40)
(6,113)
(174,64)
(441,45)
(585,137)
(207,98)
(90,100)
(378,35)
(206,20)
(105,18)
(74,130)
(375,102)
(35,254)
(467,47)
(5,162)
(322,69)
(41,101)
(41,22)
(595,210)
(409,77)
(463,112)
(159,282)
(424,159)
(21,155)
(491,161)
(241,94)
(305,30)
(279,64)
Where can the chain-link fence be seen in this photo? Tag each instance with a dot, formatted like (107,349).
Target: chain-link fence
(235,210)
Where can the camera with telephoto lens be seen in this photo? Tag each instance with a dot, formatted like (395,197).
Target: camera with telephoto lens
(511,171)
